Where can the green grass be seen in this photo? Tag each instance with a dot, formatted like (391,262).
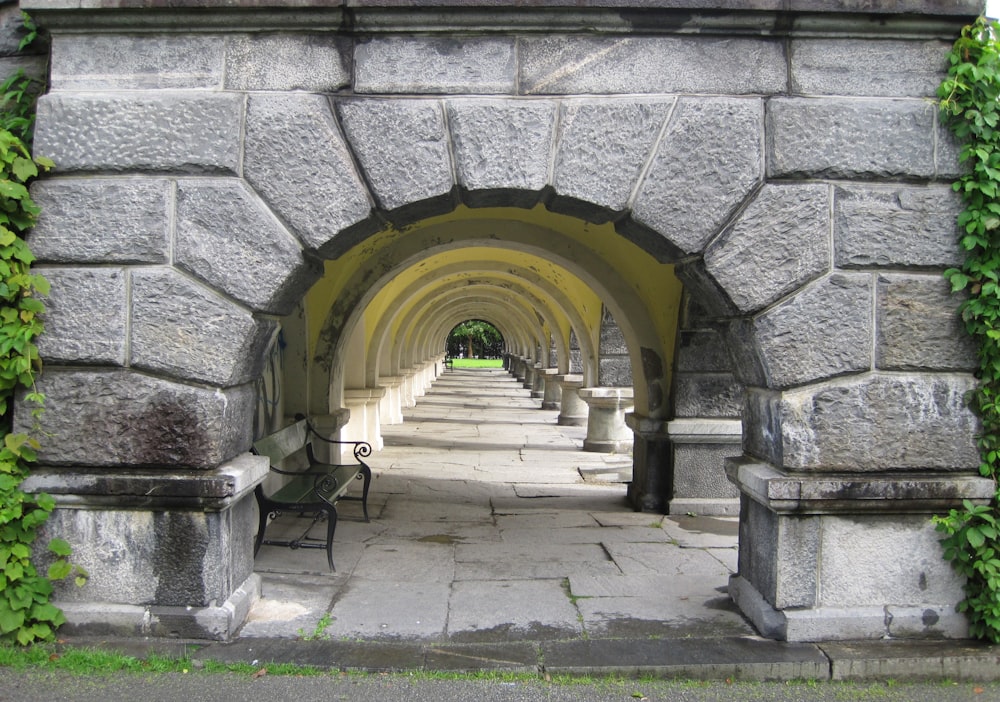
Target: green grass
(478,362)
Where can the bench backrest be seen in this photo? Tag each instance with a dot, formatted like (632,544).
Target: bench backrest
(284,444)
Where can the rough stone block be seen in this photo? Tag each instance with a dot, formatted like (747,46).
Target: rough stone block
(85,318)
(778,243)
(884,559)
(702,350)
(121,419)
(226,237)
(450,65)
(602,147)
(699,471)
(707,395)
(298,162)
(896,225)
(841,138)
(102,220)
(875,423)
(402,146)
(863,67)
(313,62)
(564,65)
(93,62)
(614,372)
(824,331)
(12,29)
(948,149)
(502,144)
(141,131)
(919,326)
(708,161)
(185,330)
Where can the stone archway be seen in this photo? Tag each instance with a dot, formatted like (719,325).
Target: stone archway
(193,205)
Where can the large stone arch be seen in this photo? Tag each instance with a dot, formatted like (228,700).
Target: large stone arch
(801,195)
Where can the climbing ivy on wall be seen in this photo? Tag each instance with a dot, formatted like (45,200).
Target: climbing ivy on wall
(26,614)
(970,108)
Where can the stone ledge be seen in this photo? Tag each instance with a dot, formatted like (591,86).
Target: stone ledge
(838,493)
(705,431)
(212,490)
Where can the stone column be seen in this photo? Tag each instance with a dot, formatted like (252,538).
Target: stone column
(572,410)
(551,390)
(651,485)
(407,394)
(364,422)
(538,381)
(529,374)
(391,405)
(606,428)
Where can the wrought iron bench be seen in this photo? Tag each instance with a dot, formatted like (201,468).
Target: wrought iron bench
(312,488)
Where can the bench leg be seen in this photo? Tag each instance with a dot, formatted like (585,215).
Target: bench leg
(366,472)
(262,524)
(331,526)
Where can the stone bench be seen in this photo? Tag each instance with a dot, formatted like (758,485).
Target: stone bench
(310,486)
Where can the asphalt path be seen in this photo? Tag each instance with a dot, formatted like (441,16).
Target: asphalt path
(43,684)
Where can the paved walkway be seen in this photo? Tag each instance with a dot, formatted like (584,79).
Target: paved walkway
(490,524)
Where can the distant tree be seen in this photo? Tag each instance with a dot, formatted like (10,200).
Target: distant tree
(475,334)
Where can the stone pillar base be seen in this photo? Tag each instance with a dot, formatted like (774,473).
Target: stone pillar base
(700,447)
(606,428)
(551,391)
(390,407)
(573,411)
(834,556)
(538,381)
(364,422)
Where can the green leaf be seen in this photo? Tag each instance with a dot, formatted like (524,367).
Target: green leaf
(60,547)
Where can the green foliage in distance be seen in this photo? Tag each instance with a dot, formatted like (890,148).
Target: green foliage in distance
(969,107)
(475,335)
(26,614)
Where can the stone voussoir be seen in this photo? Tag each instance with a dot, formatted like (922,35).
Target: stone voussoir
(779,242)
(402,145)
(709,159)
(296,158)
(147,131)
(823,331)
(228,238)
(185,330)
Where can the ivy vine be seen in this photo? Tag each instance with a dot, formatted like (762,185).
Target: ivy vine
(970,108)
(26,614)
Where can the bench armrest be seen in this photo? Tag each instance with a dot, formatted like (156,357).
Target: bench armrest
(362,449)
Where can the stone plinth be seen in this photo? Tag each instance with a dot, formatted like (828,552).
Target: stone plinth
(573,411)
(700,447)
(169,552)
(606,428)
(551,390)
(652,478)
(530,370)
(364,422)
(391,407)
(847,556)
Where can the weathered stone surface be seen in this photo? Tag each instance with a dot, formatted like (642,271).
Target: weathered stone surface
(707,395)
(12,29)
(133,62)
(313,62)
(402,146)
(896,225)
(824,331)
(897,422)
(919,326)
(502,144)
(634,64)
(185,330)
(702,350)
(780,242)
(707,163)
(884,559)
(226,237)
(698,471)
(840,138)
(450,65)
(615,372)
(949,148)
(298,162)
(141,131)
(602,147)
(85,318)
(101,220)
(93,418)
(862,67)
